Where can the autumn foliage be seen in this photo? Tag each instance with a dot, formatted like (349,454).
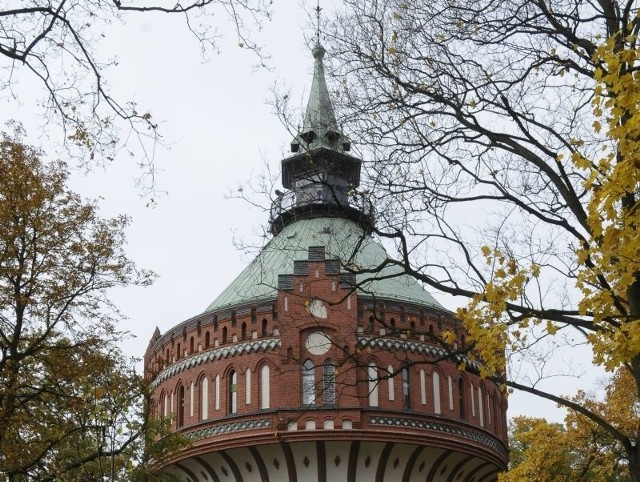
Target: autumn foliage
(71,404)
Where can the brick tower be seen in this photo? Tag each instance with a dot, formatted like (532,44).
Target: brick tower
(301,370)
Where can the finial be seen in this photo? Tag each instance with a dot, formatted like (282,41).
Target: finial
(318,9)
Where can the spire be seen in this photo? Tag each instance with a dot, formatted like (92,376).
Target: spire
(320,128)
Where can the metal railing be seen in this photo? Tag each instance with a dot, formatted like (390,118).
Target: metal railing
(291,205)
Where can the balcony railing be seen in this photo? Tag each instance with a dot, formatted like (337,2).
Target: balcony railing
(298,205)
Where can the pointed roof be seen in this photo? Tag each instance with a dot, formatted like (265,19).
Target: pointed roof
(320,128)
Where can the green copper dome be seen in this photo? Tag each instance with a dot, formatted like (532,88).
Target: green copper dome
(340,237)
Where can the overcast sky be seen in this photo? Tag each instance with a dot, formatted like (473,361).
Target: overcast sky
(220,126)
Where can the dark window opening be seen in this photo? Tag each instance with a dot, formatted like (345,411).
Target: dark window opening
(461,398)
(244,331)
(264,327)
(180,406)
(406,388)
(224,334)
(329,382)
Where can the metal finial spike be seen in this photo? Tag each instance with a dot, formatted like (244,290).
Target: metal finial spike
(318,9)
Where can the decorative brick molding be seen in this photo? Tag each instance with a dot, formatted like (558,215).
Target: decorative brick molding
(230,428)
(390,343)
(479,437)
(235,349)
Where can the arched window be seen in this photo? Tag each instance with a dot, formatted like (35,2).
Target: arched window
(243,332)
(329,382)
(308,383)
(232,403)
(423,387)
(391,384)
(247,387)
(164,409)
(480,406)
(217,392)
(207,339)
(234,319)
(204,398)
(215,322)
(264,327)
(372,372)
(224,335)
(461,398)
(371,323)
(180,406)
(436,393)
(264,387)
(192,396)
(406,388)
(254,319)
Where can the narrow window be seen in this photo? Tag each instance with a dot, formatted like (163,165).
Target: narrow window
(180,406)
(372,373)
(224,335)
(264,387)
(329,382)
(178,354)
(217,391)
(192,396)
(391,384)
(254,318)
(215,323)
(264,327)
(191,344)
(436,393)
(480,406)
(233,392)
(163,405)
(244,331)
(247,387)
(406,388)
(423,387)
(308,383)
(274,311)
(207,339)
(473,400)
(461,398)
(234,320)
(204,398)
